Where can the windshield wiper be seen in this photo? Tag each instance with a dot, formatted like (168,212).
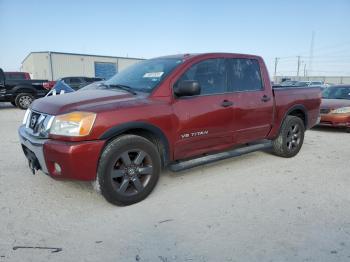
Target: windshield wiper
(123,87)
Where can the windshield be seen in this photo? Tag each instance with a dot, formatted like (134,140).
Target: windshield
(336,93)
(143,76)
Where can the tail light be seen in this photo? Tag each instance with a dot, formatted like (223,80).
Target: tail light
(48,85)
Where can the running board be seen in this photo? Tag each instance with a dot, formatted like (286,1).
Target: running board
(187,164)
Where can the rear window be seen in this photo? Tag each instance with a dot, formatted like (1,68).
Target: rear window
(244,75)
(74,81)
(15,76)
(92,79)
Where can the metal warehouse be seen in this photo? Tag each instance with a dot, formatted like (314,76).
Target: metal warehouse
(55,65)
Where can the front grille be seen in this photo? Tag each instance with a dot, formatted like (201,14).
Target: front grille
(34,121)
(38,124)
(324,110)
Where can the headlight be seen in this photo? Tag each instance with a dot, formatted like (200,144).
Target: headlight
(73,124)
(26,115)
(342,110)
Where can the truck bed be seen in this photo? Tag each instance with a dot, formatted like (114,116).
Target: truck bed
(306,99)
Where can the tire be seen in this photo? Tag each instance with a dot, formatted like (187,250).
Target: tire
(13,103)
(24,100)
(128,170)
(291,137)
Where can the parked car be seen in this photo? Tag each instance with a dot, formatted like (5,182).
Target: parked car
(76,82)
(167,112)
(310,84)
(335,107)
(20,93)
(60,88)
(288,83)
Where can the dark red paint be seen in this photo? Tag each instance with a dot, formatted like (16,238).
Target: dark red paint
(249,118)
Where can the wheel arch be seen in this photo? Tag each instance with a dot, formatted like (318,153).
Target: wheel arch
(144,129)
(299,111)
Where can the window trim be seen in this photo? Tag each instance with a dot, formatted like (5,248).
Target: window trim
(190,66)
(261,78)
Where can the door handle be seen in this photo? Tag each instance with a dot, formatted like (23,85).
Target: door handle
(265,98)
(226,103)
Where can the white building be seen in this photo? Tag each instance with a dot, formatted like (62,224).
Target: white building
(55,65)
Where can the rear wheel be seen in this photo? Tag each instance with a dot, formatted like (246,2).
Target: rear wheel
(291,137)
(129,169)
(24,100)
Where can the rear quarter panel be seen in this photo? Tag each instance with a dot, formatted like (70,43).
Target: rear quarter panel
(288,99)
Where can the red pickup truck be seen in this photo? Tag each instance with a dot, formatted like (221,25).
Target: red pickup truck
(176,111)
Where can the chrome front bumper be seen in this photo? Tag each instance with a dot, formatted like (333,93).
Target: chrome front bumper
(35,145)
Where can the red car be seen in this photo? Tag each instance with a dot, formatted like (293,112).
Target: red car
(176,112)
(335,107)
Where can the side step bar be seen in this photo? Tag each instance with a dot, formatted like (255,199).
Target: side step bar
(187,164)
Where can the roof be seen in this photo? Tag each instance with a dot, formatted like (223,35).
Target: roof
(63,53)
(187,56)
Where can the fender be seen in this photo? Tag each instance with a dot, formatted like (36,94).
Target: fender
(296,107)
(122,128)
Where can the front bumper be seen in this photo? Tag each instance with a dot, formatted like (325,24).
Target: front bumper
(336,120)
(77,160)
(35,145)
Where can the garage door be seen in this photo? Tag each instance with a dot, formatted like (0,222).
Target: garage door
(105,70)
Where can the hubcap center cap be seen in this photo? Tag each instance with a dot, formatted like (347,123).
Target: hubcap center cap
(131,171)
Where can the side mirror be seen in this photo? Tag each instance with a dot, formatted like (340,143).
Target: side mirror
(187,88)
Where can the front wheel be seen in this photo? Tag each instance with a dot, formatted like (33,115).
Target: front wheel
(291,137)
(128,170)
(24,100)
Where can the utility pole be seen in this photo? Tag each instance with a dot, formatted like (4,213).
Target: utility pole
(305,69)
(275,74)
(311,51)
(298,67)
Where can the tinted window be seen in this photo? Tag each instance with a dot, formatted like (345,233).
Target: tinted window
(75,81)
(15,76)
(210,74)
(337,93)
(92,79)
(244,75)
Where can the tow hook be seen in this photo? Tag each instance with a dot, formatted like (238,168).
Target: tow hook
(33,167)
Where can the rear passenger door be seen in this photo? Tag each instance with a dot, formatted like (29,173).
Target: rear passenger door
(203,121)
(253,101)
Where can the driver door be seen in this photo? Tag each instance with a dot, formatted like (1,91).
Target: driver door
(205,120)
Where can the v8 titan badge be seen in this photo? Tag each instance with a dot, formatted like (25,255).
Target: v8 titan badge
(193,134)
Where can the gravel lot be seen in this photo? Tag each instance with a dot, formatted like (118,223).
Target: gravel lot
(257,207)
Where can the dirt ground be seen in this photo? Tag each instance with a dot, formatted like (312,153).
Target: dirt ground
(257,207)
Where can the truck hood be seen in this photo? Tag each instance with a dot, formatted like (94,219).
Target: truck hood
(334,103)
(87,100)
